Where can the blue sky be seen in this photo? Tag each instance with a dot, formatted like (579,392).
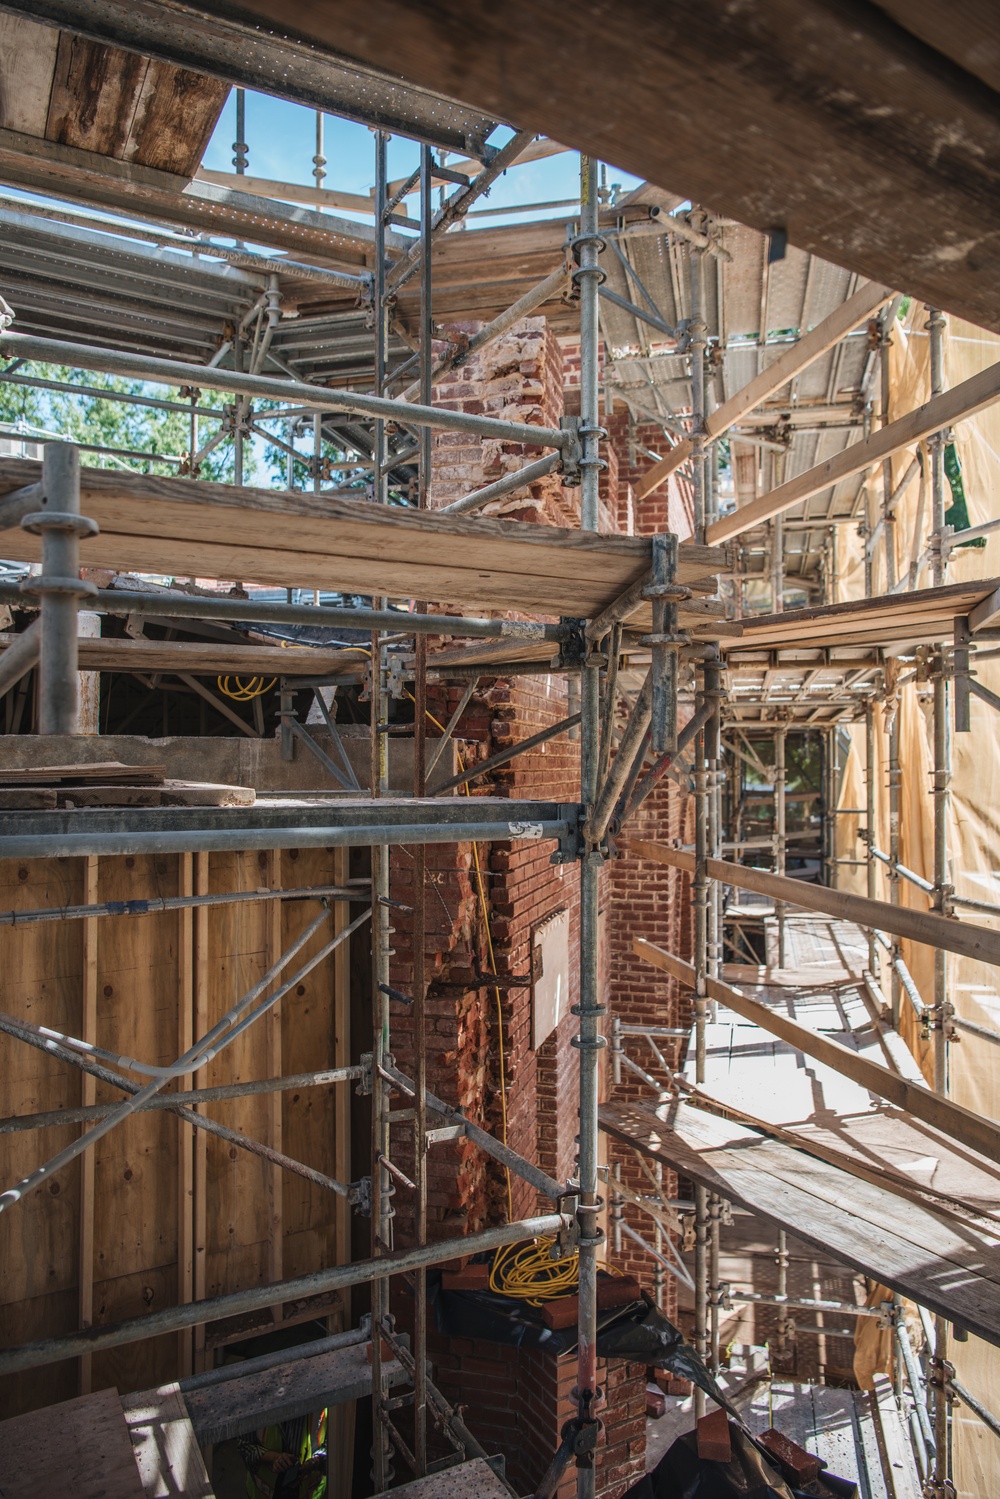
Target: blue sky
(281,138)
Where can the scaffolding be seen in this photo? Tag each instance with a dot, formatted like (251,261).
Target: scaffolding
(665,631)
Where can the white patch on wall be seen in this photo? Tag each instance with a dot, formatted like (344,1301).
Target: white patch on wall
(550,976)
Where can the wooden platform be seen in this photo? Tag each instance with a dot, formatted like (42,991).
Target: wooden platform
(859,1434)
(196,529)
(165,1446)
(924,615)
(946,1261)
(248,1402)
(81,1448)
(832,1163)
(473,1480)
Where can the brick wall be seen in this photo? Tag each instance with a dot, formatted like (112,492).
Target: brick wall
(517,1400)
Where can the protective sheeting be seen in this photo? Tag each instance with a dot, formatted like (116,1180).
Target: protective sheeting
(974,810)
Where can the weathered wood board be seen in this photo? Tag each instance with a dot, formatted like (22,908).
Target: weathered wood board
(167,1214)
(81,1447)
(197,529)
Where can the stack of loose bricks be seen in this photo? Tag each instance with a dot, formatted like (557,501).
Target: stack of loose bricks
(517,1400)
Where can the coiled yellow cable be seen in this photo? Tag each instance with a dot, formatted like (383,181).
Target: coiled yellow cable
(527,1272)
(244,691)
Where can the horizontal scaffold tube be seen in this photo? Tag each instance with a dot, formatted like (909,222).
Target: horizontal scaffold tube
(226,840)
(968,1128)
(196,606)
(269,388)
(917,926)
(256,1298)
(84,1113)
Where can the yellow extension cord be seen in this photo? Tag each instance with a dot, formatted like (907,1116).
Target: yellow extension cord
(244,691)
(526,1272)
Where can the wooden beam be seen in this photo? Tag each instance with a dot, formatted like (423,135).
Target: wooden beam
(810,347)
(941,1261)
(193,528)
(87,177)
(910,150)
(88,1095)
(936,415)
(962,30)
(965,1126)
(185,1135)
(208,658)
(986,615)
(918,926)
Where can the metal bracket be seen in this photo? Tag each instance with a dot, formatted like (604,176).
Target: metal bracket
(360,1197)
(365,1080)
(572,452)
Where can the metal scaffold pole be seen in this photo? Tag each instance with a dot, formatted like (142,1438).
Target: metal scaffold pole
(871,836)
(382,1183)
(780,834)
(895,783)
(714,694)
(940,1486)
(590,1010)
(420,858)
(56,517)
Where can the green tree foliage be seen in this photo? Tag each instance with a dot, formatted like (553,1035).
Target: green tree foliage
(117,425)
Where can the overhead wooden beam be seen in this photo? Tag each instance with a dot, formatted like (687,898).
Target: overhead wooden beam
(918,926)
(810,347)
(937,414)
(908,144)
(960,1124)
(127,187)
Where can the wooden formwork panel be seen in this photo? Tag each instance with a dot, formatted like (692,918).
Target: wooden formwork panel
(157,1212)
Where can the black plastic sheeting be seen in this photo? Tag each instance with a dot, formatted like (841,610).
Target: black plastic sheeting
(638,1333)
(682,1474)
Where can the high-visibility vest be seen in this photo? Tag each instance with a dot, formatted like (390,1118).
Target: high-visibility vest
(265,1480)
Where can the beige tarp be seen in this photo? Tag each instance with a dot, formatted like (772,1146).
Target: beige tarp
(974,812)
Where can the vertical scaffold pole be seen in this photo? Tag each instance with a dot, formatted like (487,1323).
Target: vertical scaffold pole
(382,1186)
(780,826)
(60,525)
(895,782)
(717,780)
(942,779)
(871,841)
(697,333)
(589,1041)
(888,518)
(420,854)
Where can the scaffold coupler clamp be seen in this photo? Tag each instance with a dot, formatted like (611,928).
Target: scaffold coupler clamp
(360,1196)
(664,641)
(572,452)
